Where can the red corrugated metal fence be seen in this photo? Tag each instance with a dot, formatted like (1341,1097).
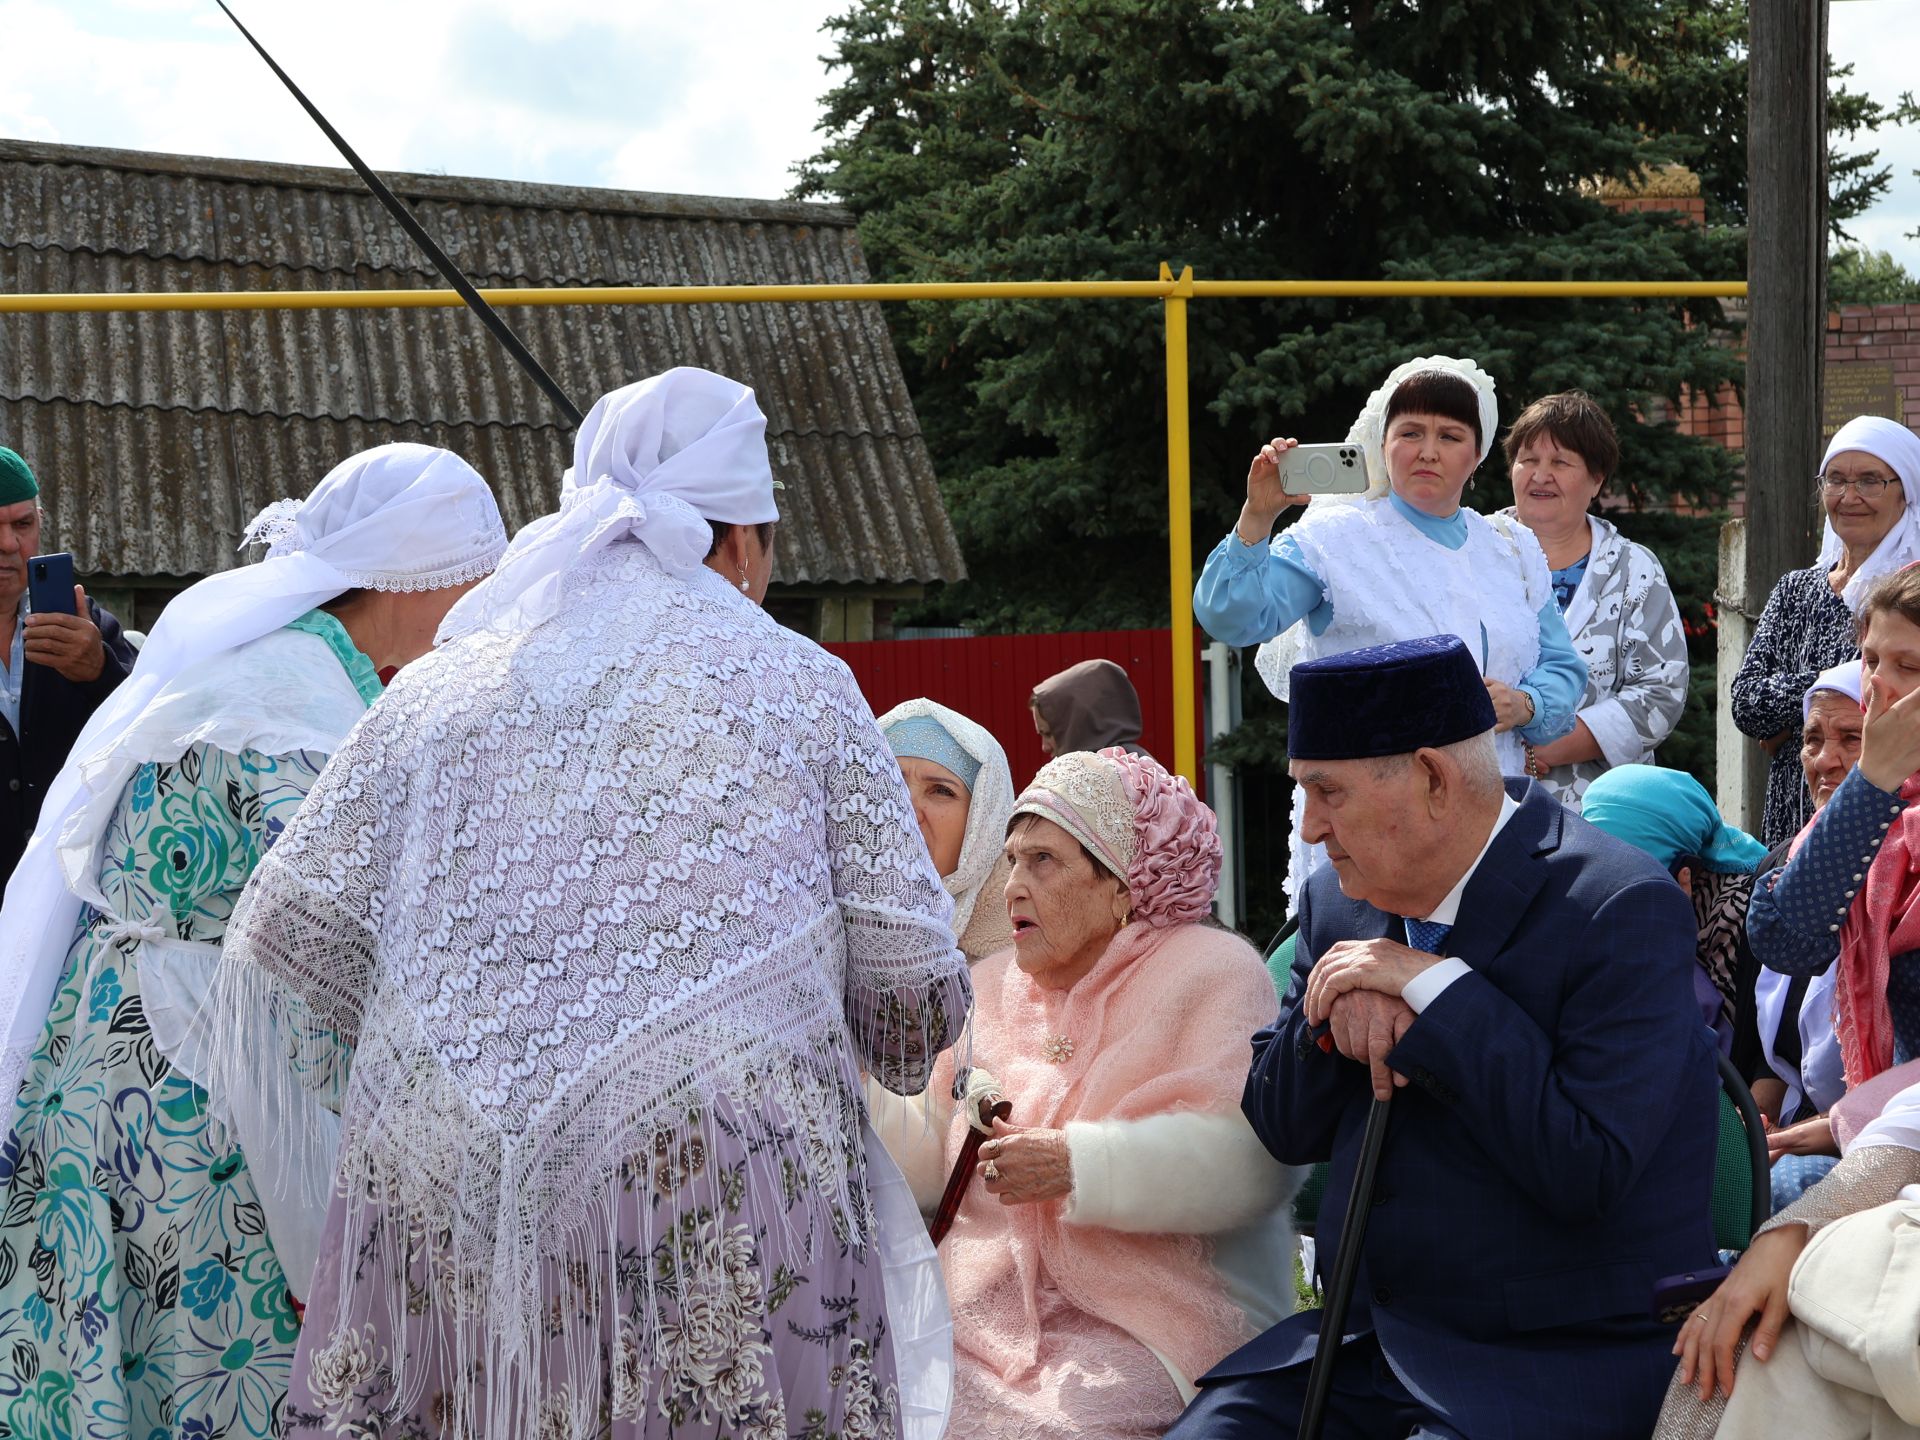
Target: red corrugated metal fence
(989,678)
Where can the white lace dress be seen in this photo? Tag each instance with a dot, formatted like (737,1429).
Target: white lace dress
(614,912)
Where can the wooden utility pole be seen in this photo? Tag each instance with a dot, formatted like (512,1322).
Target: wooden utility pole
(1786,333)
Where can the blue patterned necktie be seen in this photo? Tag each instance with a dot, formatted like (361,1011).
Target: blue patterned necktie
(1426,936)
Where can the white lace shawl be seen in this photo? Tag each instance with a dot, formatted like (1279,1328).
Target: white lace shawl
(561,887)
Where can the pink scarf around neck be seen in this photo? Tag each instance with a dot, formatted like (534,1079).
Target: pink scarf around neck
(1883,921)
(1160,1024)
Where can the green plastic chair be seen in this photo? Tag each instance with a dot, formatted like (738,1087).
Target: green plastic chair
(1742,1185)
(1306,1201)
(1280,966)
(1280,956)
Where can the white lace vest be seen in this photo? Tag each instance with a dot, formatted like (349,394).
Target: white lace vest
(1387,581)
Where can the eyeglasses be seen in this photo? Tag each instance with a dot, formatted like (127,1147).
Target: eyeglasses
(1867,487)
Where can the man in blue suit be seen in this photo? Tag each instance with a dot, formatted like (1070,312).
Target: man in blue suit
(1520,984)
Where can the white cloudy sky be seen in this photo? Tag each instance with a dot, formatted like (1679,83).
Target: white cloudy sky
(714,97)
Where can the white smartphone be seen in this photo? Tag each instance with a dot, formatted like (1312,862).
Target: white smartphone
(1323,470)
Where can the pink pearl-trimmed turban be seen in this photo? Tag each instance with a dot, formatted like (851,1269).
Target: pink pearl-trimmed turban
(1140,822)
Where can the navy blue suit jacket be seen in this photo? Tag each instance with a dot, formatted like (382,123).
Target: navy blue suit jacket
(53,712)
(1551,1158)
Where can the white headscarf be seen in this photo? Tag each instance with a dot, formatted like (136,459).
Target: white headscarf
(654,461)
(989,808)
(1369,431)
(1893,444)
(397,517)
(1842,679)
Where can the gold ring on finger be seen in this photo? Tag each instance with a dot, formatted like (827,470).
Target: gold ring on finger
(992,1172)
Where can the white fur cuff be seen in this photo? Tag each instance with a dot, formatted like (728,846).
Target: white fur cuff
(1181,1173)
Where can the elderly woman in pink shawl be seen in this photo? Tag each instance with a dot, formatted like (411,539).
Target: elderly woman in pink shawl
(1127,1230)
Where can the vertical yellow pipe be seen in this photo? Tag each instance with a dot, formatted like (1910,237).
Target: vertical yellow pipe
(1180,525)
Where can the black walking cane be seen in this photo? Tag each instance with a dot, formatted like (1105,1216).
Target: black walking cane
(1353,1232)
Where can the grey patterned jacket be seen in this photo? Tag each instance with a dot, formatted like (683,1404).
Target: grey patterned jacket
(1626,626)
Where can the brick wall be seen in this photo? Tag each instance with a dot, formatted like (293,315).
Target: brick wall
(1722,419)
(1690,208)
(1882,340)
(1884,335)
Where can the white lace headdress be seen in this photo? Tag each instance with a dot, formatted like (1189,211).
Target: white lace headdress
(1369,428)
(654,461)
(397,517)
(1082,793)
(1369,432)
(989,807)
(1899,449)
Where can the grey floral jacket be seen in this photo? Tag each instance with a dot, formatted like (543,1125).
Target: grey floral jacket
(1626,626)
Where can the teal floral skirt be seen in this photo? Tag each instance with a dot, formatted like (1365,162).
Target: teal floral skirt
(139,1296)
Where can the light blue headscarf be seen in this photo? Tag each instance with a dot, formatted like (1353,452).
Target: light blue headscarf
(1668,814)
(922,737)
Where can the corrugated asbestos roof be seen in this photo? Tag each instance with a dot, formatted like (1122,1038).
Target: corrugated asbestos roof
(158,436)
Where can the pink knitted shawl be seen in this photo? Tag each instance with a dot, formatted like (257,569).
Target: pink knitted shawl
(1883,921)
(1160,1024)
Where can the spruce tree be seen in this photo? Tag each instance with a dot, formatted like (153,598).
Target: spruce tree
(1358,139)
(1458,139)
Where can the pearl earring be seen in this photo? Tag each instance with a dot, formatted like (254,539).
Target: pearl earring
(743,583)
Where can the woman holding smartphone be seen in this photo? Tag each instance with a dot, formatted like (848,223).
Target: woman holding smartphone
(1402,561)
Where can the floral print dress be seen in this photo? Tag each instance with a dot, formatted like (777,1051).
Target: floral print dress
(779,1331)
(1805,629)
(140,1298)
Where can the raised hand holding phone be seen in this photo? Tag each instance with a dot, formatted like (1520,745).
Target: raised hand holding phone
(1266,491)
(65,640)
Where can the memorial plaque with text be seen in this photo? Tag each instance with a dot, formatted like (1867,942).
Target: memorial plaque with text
(1857,387)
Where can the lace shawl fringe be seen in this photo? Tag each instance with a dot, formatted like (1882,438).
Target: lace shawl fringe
(571,1272)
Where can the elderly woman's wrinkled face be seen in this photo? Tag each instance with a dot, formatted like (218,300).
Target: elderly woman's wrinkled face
(941,801)
(1065,907)
(1430,458)
(1830,745)
(1863,510)
(1552,486)
(1890,654)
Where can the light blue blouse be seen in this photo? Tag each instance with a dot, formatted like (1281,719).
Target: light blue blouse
(1247,594)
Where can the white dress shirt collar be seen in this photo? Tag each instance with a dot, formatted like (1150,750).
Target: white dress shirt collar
(1448,910)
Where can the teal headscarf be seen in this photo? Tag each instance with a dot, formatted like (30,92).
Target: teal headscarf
(1668,813)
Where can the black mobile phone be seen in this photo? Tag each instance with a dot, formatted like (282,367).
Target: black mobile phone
(50,584)
(1675,1296)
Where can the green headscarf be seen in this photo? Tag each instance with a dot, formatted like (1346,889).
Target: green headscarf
(1668,813)
(16,480)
